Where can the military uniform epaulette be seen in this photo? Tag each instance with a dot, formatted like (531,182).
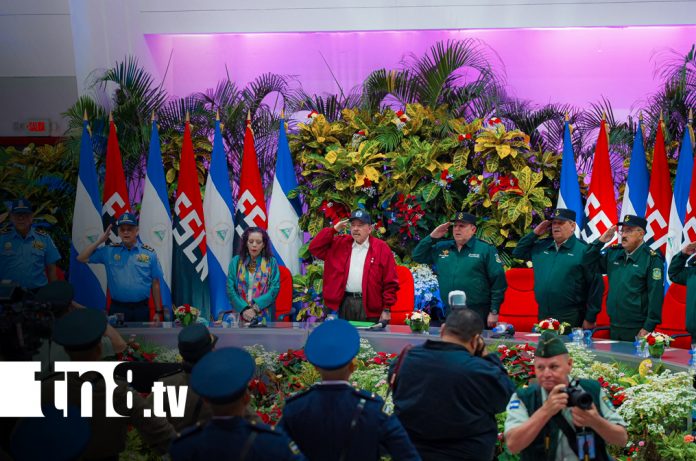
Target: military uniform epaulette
(299,394)
(148,248)
(40,231)
(114,244)
(262,427)
(5,229)
(187,431)
(367,395)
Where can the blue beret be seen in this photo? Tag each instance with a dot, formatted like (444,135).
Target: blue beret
(80,329)
(51,437)
(127,218)
(223,375)
(332,345)
(20,206)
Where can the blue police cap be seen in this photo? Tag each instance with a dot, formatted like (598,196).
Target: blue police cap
(564,214)
(20,206)
(58,293)
(223,375)
(127,218)
(195,341)
(332,345)
(52,437)
(80,329)
(361,215)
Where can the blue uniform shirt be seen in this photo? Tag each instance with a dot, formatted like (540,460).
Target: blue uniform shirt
(224,439)
(129,273)
(325,434)
(24,260)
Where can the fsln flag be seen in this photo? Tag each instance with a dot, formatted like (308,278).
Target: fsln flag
(89,280)
(569,196)
(251,204)
(690,218)
(155,215)
(284,212)
(190,264)
(600,207)
(680,196)
(659,196)
(218,209)
(115,199)
(635,195)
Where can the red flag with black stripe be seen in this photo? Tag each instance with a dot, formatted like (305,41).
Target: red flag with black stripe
(251,204)
(115,199)
(659,196)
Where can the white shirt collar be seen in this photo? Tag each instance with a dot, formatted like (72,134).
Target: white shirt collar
(365,245)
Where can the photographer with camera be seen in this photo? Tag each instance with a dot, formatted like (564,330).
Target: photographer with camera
(559,418)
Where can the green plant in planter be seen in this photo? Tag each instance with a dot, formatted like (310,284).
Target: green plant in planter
(307,290)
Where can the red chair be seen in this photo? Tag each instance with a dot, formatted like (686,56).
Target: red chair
(674,316)
(283,303)
(405,297)
(519,306)
(603,316)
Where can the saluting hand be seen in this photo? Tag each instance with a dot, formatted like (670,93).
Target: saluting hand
(342,224)
(608,234)
(689,249)
(440,231)
(543,227)
(105,236)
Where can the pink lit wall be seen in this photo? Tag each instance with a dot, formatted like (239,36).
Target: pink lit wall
(571,65)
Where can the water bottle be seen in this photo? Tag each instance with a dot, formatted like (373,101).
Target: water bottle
(500,327)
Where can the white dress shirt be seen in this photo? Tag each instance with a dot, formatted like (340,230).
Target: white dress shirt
(357,264)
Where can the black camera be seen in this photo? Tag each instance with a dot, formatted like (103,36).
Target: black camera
(577,397)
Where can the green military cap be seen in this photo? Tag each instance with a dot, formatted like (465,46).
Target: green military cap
(80,329)
(58,293)
(550,345)
(563,214)
(463,217)
(635,221)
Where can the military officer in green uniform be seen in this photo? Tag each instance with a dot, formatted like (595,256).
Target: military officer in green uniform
(543,424)
(80,333)
(195,341)
(682,270)
(465,263)
(564,286)
(636,279)
(28,255)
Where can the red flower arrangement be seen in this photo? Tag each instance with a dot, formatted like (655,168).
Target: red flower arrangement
(334,211)
(494,121)
(464,137)
(410,212)
(313,114)
(382,358)
(292,357)
(504,184)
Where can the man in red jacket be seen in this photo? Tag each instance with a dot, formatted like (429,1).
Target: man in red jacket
(360,280)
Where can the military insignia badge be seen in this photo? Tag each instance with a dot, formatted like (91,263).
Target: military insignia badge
(497,258)
(38,244)
(444,253)
(143,258)
(8,246)
(657,273)
(117,257)
(627,218)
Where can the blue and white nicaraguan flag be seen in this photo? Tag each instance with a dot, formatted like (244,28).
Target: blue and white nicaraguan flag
(218,211)
(635,196)
(156,216)
(89,280)
(283,212)
(569,196)
(680,196)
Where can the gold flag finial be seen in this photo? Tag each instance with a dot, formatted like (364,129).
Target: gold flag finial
(217,115)
(691,115)
(111,117)
(249,116)
(152,119)
(604,116)
(567,117)
(188,117)
(661,117)
(640,116)
(282,113)
(84,116)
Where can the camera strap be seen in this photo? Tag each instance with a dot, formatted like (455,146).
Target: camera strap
(568,431)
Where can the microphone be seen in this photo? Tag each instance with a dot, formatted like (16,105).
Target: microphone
(379,325)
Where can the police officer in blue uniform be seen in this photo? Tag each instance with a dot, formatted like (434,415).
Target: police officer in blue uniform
(221,377)
(132,270)
(27,255)
(356,425)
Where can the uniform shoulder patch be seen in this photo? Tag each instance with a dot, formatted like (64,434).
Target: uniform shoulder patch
(148,248)
(189,431)
(5,229)
(114,244)
(298,395)
(657,273)
(40,231)
(262,427)
(367,395)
